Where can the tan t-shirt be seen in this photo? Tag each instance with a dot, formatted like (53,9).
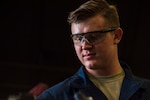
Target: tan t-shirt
(109,85)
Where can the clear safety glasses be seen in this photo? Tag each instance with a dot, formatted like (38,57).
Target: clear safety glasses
(90,37)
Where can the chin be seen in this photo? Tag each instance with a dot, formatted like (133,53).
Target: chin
(90,65)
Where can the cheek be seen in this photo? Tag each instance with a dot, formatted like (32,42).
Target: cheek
(78,51)
(107,51)
(102,50)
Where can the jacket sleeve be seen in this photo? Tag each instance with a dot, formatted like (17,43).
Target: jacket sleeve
(45,96)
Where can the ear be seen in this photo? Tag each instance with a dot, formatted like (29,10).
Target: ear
(118,35)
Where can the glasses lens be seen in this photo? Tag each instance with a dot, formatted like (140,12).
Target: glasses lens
(94,37)
(90,37)
(77,39)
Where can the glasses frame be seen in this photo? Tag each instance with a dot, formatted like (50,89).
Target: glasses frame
(99,31)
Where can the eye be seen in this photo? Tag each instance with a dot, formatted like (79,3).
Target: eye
(94,36)
(77,38)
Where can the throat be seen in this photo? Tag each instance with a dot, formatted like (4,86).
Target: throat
(103,71)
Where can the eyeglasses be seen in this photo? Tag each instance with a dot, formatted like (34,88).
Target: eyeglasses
(90,37)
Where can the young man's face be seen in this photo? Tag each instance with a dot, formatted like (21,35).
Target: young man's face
(99,53)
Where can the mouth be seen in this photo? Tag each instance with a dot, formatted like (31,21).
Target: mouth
(89,56)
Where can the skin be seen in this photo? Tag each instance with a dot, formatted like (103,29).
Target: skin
(101,58)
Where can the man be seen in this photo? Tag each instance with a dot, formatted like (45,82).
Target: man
(96,33)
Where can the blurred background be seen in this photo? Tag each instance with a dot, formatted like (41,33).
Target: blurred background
(35,44)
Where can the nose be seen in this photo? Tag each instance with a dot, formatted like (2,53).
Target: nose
(84,39)
(85,43)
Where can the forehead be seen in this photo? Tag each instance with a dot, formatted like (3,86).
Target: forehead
(91,24)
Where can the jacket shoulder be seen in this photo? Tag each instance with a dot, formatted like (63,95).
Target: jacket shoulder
(62,88)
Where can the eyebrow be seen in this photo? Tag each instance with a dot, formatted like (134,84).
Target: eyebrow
(100,31)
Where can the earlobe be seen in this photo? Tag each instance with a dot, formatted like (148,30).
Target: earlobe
(118,35)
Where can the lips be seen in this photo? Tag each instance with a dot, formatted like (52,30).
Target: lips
(89,55)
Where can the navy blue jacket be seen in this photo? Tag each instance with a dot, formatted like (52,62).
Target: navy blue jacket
(133,88)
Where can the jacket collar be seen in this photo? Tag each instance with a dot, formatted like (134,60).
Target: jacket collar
(130,83)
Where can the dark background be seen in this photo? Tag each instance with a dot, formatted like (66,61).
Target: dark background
(35,44)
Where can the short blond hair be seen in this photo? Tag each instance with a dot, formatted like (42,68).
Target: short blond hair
(95,7)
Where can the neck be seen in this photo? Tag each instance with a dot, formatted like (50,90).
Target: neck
(110,69)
